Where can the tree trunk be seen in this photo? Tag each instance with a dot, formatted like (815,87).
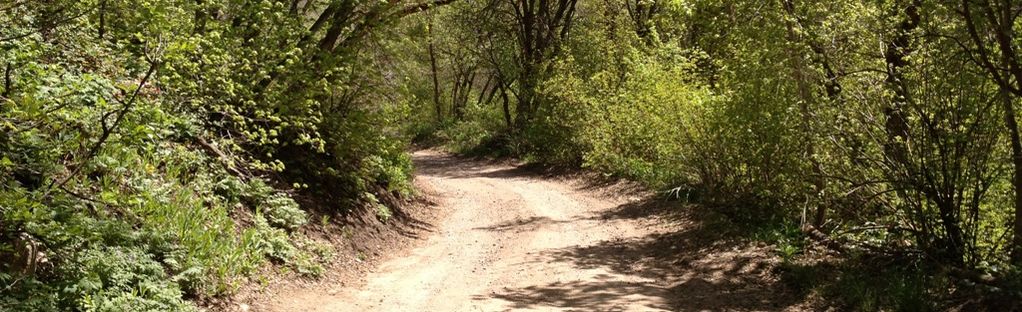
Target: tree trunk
(1011,123)
(322,20)
(805,99)
(8,83)
(506,106)
(340,18)
(896,55)
(541,25)
(436,81)
(463,90)
(497,84)
(1002,25)
(485,89)
(200,17)
(642,12)
(456,95)
(102,19)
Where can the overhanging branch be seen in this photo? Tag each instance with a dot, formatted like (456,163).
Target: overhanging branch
(416,8)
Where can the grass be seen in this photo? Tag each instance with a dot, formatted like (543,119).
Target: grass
(870,284)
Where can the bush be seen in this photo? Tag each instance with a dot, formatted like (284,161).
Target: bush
(126,159)
(282,211)
(124,279)
(293,250)
(629,111)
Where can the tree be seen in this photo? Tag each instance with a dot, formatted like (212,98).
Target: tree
(540,28)
(991,27)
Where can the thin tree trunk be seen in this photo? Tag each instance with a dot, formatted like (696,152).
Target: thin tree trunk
(541,27)
(506,106)
(456,95)
(493,90)
(1011,123)
(805,99)
(340,18)
(486,87)
(8,83)
(1002,24)
(464,91)
(200,17)
(436,81)
(321,21)
(1006,35)
(102,19)
(897,56)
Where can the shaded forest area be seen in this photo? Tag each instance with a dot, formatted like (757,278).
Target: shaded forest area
(153,154)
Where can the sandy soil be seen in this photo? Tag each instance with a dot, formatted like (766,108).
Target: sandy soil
(517,240)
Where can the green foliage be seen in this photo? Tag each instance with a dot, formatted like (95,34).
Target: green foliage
(789,240)
(135,135)
(282,211)
(293,250)
(475,135)
(636,117)
(383,213)
(862,285)
(137,139)
(125,279)
(874,123)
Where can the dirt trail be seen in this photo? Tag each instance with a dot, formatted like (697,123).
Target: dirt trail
(515,240)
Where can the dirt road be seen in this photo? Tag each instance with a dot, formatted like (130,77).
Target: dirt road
(515,240)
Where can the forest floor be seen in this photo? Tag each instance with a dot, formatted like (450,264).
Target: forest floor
(513,238)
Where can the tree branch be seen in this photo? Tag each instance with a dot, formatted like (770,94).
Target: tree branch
(416,8)
(109,130)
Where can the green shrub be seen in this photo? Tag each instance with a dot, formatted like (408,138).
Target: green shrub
(124,279)
(637,117)
(273,242)
(293,250)
(282,211)
(383,213)
(133,135)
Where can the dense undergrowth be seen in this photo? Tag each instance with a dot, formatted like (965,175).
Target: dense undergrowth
(150,151)
(884,177)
